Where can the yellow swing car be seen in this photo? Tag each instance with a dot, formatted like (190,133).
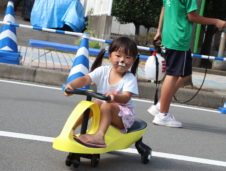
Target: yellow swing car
(114,139)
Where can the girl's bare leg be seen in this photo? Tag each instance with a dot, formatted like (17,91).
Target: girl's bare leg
(109,115)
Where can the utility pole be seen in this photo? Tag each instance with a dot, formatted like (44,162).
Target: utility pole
(222,44)
(220,65)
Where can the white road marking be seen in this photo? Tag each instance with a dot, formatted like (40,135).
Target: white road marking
(30,84)
(26,136)
(135,99)
(181,157)
(129,150)
(181,106)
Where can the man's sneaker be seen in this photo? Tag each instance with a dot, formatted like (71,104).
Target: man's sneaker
(153,110)
(166,120)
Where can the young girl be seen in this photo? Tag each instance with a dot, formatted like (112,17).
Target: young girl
(115,81)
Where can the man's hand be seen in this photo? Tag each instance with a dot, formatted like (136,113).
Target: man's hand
(158,38)
(221,24)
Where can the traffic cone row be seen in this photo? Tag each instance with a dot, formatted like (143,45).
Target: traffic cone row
(9,50)
(8,41)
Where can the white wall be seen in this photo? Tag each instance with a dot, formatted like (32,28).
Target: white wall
(99,7)
(117,28)
(125,29)
(103,7)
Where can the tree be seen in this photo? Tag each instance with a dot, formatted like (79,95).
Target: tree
(139,12)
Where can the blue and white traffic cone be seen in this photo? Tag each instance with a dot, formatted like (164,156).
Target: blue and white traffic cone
(223,109)
(8,41)
(80,66)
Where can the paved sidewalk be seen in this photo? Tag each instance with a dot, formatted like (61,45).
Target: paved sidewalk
(215,83)
(55,60)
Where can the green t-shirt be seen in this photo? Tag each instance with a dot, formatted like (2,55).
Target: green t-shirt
(177,29)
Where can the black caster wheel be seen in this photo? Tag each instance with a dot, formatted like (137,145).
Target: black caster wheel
(68,163)
(72,159)
(95,160)
(145,158)
(76,163)
(144,151)
(68,160)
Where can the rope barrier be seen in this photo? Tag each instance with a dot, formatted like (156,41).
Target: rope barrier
(85,35)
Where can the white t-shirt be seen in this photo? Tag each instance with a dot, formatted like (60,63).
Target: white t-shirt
(100,76)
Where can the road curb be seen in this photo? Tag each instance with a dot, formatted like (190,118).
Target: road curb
(203,98)
(209,71)
(38,75)
(146,89)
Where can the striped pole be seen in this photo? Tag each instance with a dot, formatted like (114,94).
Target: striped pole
(80,66)
(8,41)
(67,33)
(217,58)
(100,40)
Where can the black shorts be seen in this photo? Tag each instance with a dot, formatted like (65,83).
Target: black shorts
(178,63)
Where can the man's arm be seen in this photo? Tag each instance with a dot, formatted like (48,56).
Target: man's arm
(195,18)
(159,30)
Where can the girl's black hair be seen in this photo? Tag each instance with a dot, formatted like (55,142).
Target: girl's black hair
(98,60)
(127,45)
(135,65)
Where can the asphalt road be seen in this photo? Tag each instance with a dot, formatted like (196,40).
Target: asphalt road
(32,115)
